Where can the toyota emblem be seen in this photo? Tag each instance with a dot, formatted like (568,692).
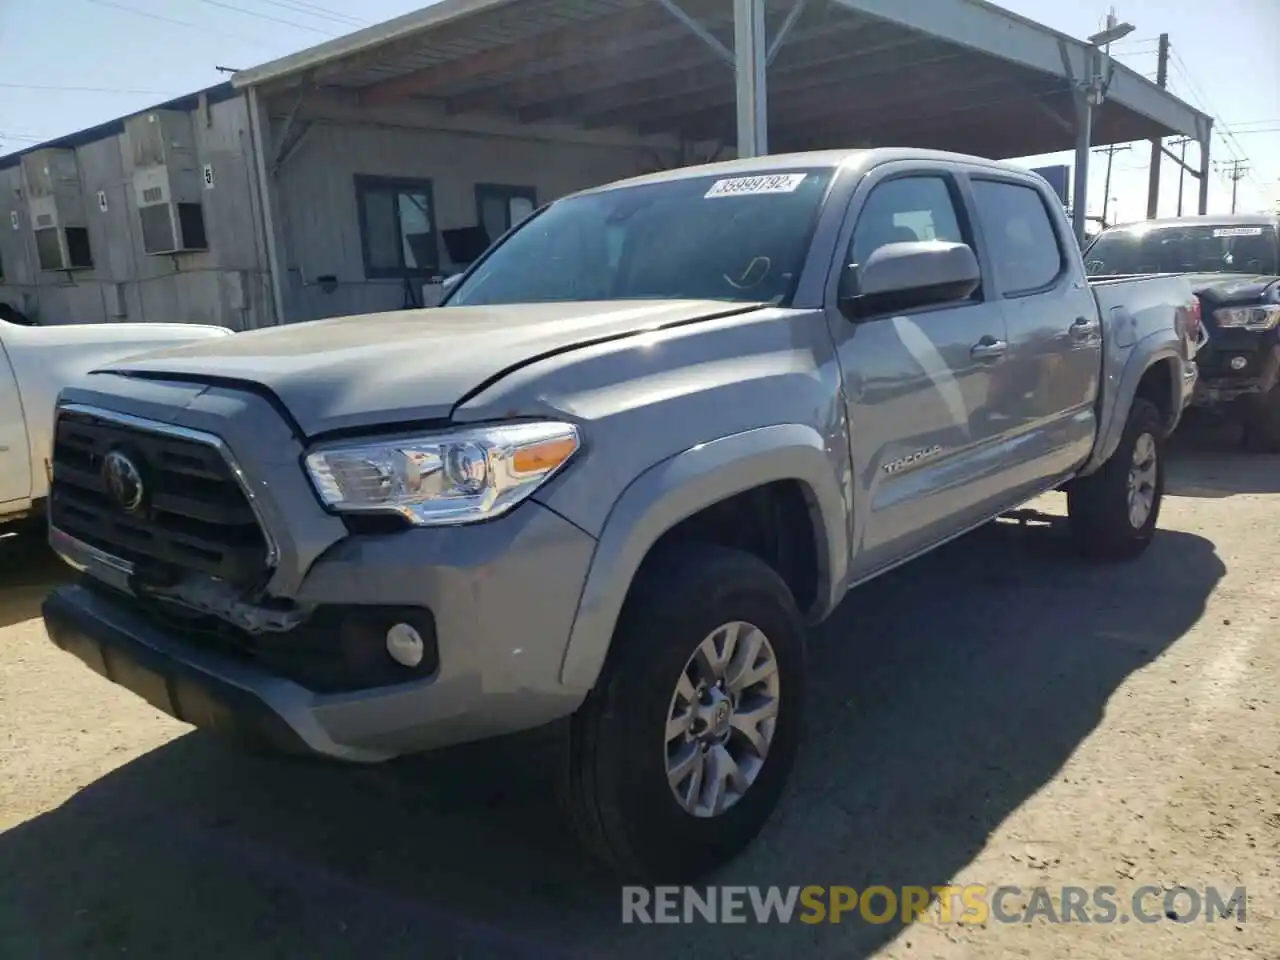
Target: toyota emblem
(123,480)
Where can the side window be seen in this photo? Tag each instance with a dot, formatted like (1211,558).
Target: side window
(904,210)
(397,227)
(1024,245)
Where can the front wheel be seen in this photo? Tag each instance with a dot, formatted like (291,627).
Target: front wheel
(1113,511)
(680,753)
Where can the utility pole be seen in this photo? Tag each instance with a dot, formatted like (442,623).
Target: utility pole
(1238,171)
(1182,166)
(1111,151)
(1162,80)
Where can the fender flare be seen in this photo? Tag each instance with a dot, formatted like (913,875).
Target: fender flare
(679,487)
(1143,356)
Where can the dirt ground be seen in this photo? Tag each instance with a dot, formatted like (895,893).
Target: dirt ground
(997,713)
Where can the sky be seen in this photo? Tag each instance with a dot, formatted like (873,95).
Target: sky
(68,64)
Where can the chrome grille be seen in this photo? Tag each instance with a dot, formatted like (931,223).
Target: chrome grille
(194,514)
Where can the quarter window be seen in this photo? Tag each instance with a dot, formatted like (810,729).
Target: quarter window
(905,210)
(397,227)
(1024,245)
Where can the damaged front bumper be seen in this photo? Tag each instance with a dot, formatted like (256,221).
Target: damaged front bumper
(307,661)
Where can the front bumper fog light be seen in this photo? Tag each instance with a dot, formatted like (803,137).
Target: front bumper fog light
(405,645)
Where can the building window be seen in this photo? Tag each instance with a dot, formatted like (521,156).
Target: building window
(397,227)
(500,207)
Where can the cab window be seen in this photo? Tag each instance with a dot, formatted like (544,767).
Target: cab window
(903,210)
(1024,245)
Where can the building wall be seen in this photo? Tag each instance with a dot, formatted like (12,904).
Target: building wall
(316,197)
(227,285)
(314,207)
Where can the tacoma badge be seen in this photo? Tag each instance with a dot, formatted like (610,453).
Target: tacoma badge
(896,466)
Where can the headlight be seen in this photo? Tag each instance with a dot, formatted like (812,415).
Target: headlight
(447,478)
(1257,319)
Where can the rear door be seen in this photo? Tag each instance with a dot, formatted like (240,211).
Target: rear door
(15,458)
(1049,389)
(917,383)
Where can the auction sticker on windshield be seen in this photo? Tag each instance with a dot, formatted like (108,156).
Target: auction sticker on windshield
(1238,232)
(743,186)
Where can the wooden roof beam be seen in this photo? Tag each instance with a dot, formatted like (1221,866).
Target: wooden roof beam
(562,42)
(798,74)
(645,59)
(670,73)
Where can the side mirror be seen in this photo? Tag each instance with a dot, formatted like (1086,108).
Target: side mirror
(901,276)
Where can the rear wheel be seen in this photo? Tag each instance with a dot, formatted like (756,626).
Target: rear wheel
(680,753)
(1113,512)
(1262,425)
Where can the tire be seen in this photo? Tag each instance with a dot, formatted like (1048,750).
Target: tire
(1262,426)
(618,796)
(1098,506)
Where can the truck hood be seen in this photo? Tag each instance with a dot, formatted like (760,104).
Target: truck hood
(115,339)
(412,365)
(1220,288)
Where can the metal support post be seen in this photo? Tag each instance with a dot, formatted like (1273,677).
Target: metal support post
(750,53)
(1153,176)
(1204,171)
(259,132)
(1080,190)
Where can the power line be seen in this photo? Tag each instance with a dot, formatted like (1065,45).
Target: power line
(1238,172)
(1239,155)
(174,21)
(267,16)
(1238,151)
(315,10)
(37,86)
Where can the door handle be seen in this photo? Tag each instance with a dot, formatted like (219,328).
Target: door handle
(988,348)
(1084,328)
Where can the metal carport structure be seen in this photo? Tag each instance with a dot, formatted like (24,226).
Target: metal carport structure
(760,75)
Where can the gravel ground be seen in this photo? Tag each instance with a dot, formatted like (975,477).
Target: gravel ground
(997,713)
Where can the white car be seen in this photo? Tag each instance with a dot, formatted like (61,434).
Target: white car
(36,363)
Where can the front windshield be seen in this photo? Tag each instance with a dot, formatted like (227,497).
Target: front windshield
(1184,249)
(704,238)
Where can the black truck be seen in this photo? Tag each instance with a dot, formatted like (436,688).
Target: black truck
(1233,263)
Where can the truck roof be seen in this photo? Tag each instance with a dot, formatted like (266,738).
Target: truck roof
(780,162)
(1214,220)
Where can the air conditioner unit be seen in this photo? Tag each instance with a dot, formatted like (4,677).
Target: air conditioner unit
(166,182)
(55,206)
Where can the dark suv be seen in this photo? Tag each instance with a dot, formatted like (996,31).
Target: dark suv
(1234,266)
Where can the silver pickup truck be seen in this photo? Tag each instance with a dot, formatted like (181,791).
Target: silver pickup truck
(654,434)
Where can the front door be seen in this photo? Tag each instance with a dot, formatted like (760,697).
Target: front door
(918,384)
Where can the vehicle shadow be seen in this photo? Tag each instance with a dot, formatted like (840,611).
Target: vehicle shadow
(944,695)
(1206,461)
(28,571)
